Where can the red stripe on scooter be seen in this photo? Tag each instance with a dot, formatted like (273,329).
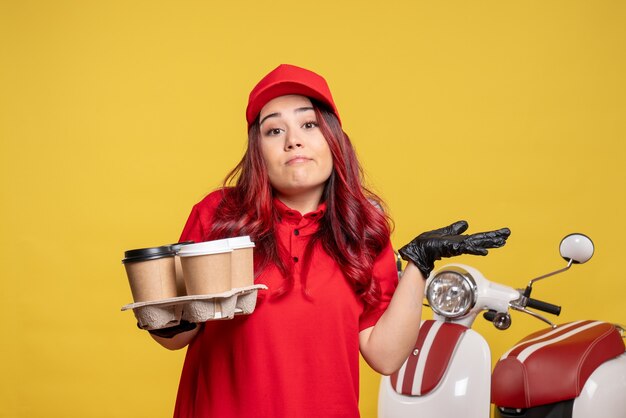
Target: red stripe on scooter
(538,338)
(409,374)
(408,368)
(440,354)
(394,379)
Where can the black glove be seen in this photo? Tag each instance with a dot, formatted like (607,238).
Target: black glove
(430,246)
(170,332)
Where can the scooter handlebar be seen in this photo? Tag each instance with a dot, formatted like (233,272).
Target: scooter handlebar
(543,306)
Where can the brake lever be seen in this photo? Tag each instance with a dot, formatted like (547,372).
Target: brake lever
(531,313)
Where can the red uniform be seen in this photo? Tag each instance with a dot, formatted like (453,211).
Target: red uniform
(295,355)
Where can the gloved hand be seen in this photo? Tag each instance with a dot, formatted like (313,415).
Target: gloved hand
(170,332)
(430,246)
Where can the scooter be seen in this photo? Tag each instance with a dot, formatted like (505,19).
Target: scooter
(576,370)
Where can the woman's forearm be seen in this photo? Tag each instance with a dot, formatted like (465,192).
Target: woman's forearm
(386,345)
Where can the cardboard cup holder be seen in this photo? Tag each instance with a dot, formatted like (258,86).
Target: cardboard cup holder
(195,308)
(196,282)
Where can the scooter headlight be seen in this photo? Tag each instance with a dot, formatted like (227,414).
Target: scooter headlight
(451,292)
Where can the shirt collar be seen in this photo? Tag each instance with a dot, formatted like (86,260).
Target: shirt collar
(292,215)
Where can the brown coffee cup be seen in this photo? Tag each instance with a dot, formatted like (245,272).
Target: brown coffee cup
(151,273)
(181,290)
(242,263)
(206,267)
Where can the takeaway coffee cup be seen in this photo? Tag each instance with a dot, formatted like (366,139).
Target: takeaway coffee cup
(180,282)
(206,267)
(241,263)
(151,273)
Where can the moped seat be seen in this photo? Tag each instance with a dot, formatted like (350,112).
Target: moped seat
(553,365)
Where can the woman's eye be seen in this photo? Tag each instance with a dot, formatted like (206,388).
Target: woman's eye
(272,132)
(310,125)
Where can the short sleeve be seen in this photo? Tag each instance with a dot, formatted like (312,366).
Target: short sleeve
(386,273)
(201,217)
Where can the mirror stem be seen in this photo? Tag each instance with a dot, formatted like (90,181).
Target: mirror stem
(569,264)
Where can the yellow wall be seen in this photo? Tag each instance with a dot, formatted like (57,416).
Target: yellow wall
(116,116)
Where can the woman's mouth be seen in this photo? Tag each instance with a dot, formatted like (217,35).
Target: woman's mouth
(298,159)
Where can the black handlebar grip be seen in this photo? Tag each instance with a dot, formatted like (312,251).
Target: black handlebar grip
(544,306)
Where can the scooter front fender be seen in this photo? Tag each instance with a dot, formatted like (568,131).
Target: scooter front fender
(464,391)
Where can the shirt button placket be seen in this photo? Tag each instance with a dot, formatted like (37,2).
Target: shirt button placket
(295,245)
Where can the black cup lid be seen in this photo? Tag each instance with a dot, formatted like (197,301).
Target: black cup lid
(179,245)
(144,254)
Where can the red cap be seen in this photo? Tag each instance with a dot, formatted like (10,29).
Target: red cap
(288,79)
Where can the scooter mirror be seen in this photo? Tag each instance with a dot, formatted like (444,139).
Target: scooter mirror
(576,247)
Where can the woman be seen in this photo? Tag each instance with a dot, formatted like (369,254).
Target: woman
(323,250)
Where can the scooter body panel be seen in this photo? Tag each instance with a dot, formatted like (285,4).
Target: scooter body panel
(464,390)
(604,393)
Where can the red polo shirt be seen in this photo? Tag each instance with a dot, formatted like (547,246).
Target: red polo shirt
(294,356)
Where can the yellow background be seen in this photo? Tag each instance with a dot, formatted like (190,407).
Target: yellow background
(117,116)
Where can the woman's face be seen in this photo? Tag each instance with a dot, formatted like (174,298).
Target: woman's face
(296,154)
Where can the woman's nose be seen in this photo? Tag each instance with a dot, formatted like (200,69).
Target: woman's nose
(292,141)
